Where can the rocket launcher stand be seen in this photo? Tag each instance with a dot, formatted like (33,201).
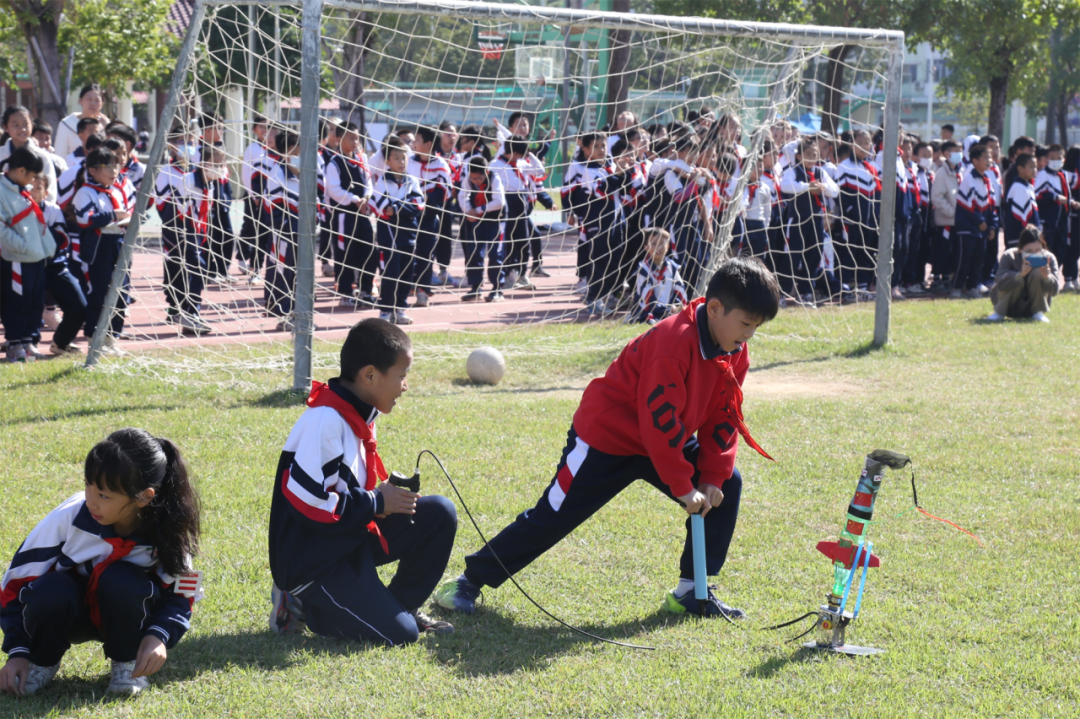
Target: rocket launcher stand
(851,556)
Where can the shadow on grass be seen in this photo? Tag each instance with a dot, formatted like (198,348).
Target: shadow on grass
(277,399)
(98,412)
(798,655)
(68,371)
(863,350)
(785,363)
(469,384)
(490,643)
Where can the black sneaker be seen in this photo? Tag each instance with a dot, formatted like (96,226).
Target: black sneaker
(459,595)
(494,296)
(471,296)
(429,625)
(687,604)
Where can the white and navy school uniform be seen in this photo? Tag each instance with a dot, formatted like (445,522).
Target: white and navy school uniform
(77,157)
(595,197)
(444,246)
(178,201)
(1020,210)
(758,202)
(436,182)
(281,201)
(73,580)
(1050,185)
(809,247)
(352,237)
(100,241)
(904,207)
(396,234)
(325,539)
(536,173)
(134,171)
(1071,263)
(658,290)
(480,236)
(517,193)
(211,203)
(64,286)
(974,206)
(687,220)
(860,209)
(255,232)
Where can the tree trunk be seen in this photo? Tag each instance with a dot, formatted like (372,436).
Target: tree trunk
(46,58)
(999,93)
(348,73)
(1053,92)
(618,84)
(1063,119)
(834,89)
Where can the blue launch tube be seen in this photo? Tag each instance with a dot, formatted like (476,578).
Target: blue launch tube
(701,578)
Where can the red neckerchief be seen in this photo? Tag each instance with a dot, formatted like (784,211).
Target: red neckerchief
(121,548)
(752,189)
(873,173)
(734,405)
(109,192)
(322,396)
(813,174)
(33,208)
(479,193)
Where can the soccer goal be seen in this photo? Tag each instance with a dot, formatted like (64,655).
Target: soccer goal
(285,267)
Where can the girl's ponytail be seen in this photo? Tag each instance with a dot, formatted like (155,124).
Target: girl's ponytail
(131,461)
(176,513)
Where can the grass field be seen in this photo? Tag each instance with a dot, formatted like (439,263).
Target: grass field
(989,414)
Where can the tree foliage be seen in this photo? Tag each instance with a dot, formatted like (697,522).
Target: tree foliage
(118,40)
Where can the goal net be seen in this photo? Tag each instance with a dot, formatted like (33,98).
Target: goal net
(479,168)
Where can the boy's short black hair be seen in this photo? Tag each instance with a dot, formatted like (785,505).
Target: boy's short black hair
(26,158)
(516,145)
(40,126)
(744,283)
(948,127)
(372,342)
(94,141)
(727,164)
(86,122)
(123,132)
(285,141)
(425,133)
(976,151)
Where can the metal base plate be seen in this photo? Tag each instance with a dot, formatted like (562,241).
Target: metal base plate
(850,649)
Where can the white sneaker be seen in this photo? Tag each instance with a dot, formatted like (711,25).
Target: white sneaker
(400,318)
(511,279)
(387,316)
(33,353)
(242,265)
(1070,286)
(1040,317)
(994,317)
(53,316)
(327,269)
(38,677)
(914,290)
(523,283)
(123,683)
(983,290)
(421,299)
(581,287)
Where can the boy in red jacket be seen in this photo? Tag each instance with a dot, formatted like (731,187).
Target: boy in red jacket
(667,411)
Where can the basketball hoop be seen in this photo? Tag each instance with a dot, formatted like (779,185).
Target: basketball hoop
(492,44)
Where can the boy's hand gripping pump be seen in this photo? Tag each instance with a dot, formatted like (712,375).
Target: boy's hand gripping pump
(410,483)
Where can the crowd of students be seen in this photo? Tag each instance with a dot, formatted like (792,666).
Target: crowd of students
(649,205)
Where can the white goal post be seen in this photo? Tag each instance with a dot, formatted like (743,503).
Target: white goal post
(311,58)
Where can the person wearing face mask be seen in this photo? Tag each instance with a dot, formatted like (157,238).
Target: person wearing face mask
(943,200)
(921,168)
(1052,194)
(1027,280)
(211,213)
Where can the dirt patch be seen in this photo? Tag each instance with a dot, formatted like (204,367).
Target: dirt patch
(772,385)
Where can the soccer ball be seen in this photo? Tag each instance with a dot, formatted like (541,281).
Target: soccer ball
(485,365)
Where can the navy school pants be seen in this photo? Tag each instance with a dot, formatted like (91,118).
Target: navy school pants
(22,299)
(399,244)
(56,614)
(356,258)
(184,271)
(585,481)
(101,252)
(426,240)
(480,240)
(69,297)
(255,233)
(354,604)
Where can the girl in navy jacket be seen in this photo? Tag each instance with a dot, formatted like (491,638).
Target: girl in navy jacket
(111,564)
